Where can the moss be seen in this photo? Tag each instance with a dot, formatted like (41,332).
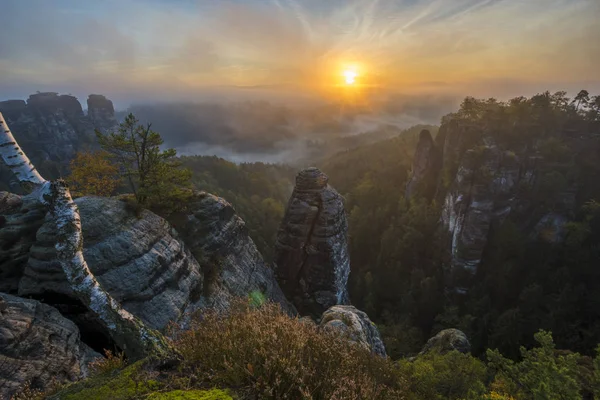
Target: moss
(117,385)
(214,394)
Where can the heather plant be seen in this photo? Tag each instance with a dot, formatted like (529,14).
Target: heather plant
(264,353)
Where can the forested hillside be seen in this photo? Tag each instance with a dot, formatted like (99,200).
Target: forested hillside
(527,280)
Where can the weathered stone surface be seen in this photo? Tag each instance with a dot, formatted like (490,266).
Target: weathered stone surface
(356,325)
(20,218)
(311,253)
(101,111)
(231,264)
(425,167)
(551,228)
(446,341)
(482,192)
(141,262)
(37,345)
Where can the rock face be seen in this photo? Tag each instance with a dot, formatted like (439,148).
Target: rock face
(447,341)
(20,218)
(141,261)
(482,193)
(230,262)
(425,168)
(356,324)
(37,345)
(311,252)
(480,184)
(51,128)
(101,111)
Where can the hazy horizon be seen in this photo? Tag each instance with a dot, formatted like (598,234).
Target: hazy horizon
(138,51)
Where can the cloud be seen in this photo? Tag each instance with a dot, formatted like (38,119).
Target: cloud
(133,49)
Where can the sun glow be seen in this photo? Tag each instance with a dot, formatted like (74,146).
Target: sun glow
(350,76)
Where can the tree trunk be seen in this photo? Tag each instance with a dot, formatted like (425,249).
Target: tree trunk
(127,331)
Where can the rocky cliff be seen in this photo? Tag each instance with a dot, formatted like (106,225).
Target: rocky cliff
(139,258)
(481,182)
(311,253)
(425,167)
(51,128)
(231,264)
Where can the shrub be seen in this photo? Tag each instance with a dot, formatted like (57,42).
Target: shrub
(110,363)
(541,374)
(263,353)
(450,376)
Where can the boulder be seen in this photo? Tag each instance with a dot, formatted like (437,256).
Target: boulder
(446,341)
(139,259)
(356,325)
(38,345)
(231,264)
(311,252)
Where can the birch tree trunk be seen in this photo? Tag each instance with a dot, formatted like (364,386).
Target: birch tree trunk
(127,331)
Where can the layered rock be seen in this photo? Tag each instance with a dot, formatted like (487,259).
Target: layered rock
(446,341)
(37,346)
(356,325)
(311,253)
(139,259)
(483,192)
(101,111)
(231,264)
(51,128)
(426,165)
(20,218)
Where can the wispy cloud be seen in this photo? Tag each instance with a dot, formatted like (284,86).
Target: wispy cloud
(142,47)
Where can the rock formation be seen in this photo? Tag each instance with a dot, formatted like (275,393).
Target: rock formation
(140,260)
(51,128)
(356,325)
(446,341)
(38,345)
(19,221)
(101,111)
(425,167)
(311,253)
(231,264)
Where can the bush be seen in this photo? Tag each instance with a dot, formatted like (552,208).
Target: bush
(264,353)
(450,376)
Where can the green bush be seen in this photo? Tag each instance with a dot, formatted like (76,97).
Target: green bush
(450,376)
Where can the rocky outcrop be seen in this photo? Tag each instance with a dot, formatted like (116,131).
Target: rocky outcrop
(446,341)
(356,325)
(37,346)
(230,262)
(20,218)
(139,259)
(426,165)
(311,253)
(101,111)
(483,192)
(51,128)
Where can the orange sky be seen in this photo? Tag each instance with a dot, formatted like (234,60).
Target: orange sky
(179,47)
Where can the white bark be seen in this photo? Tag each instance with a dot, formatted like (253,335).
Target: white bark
(128,332)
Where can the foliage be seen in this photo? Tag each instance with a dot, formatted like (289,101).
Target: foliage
(449,376)
(267,354)
(541,374)
(110,362)
(93,174)
(154,176)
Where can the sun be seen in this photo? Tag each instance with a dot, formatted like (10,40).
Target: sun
(350,76)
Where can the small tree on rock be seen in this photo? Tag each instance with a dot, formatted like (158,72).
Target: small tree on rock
(154,176)
(93,173)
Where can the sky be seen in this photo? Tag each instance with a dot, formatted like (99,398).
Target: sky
(136,50)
